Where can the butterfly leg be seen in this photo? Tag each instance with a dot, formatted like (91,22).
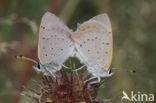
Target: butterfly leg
(66,67)
(90,79)
(97,81)
(79,68)
(49,73)
(53,75)
(94,82)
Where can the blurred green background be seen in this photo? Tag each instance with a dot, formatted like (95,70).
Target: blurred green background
(133,25)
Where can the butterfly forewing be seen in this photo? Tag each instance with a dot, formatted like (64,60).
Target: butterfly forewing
(55,44)
(94,42)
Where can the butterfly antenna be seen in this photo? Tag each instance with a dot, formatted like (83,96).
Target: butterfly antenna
(128,70)
(26,58)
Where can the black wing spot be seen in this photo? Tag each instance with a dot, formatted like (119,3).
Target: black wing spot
(107,43)
(43,47)
(88,50)
(106,52)
(38,65)
(61,49)
(52,48)
(80,45)
(46,55)
(42,27)
(62,38)
(43,38)
(70,45)
(88,39)
(95,37)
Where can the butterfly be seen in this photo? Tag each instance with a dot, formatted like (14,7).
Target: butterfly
(55,44)
(94,44)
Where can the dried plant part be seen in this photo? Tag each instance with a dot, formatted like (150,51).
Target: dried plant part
(66,88)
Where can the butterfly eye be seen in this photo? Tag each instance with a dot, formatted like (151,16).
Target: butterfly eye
(38,65)
(109,72)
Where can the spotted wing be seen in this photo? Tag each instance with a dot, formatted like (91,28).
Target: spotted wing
(94,44)
(55,44)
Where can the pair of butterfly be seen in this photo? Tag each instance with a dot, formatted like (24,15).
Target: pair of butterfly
(91,43)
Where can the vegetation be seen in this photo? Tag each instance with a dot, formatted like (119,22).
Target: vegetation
(133,25)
